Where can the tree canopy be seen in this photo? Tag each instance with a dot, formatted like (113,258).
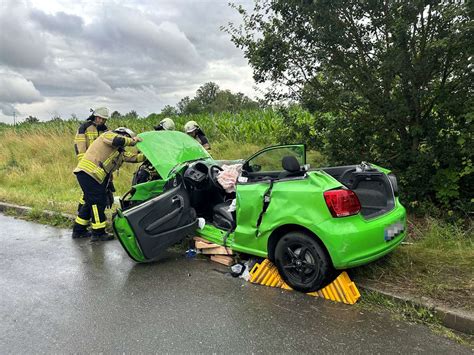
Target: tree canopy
(210,98)
(389,81)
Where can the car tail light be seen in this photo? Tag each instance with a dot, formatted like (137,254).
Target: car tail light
(342,203)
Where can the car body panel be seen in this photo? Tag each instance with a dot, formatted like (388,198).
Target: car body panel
(144,190)
(126,236)
(166,149)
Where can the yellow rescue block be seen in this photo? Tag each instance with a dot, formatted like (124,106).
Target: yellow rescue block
(342,289)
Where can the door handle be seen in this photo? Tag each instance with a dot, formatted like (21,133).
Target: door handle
(179,199)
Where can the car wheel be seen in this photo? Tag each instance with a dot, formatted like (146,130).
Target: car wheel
(302,263)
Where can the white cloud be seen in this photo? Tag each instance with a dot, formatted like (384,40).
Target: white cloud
(70,56)
(125,30)
(20,44)
(71,82)
(14,88)
(60,22)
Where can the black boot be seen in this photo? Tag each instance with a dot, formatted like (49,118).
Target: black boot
(102,237)
(80,234)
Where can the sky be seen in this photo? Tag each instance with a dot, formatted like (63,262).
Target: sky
(62,57)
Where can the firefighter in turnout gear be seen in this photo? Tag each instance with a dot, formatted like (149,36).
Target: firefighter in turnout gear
(105,155)
(88,132)
(192,129)
(166,124)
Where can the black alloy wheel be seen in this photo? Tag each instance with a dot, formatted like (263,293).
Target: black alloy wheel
(302,263)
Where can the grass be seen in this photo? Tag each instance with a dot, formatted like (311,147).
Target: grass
(373,301)
(37,215)
(36,163)
(437,261)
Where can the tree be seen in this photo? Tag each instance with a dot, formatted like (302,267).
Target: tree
(187,106)
(115,114)
(169,110)
(211,99)
(132,114)
(207,93)
(394,76)
(31,119)
(56,117)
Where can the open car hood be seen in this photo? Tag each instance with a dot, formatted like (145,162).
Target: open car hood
(166,149)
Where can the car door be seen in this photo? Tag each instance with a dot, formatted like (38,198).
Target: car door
(162,221)
(260,172)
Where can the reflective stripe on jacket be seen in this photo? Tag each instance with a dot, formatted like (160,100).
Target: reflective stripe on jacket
(107,154)
(86,134)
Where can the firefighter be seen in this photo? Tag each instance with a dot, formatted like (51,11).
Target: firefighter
(166,124)
(93,172)
(88,132)
(193,129)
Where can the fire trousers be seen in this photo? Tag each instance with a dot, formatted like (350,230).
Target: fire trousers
(93,209)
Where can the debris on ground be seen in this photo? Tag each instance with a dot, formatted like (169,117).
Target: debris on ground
(217,253)
(222,259)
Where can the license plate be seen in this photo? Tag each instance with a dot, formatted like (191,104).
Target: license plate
(393,231)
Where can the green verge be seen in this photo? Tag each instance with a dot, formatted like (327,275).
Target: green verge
(406,311)
(436,261)
(56,219)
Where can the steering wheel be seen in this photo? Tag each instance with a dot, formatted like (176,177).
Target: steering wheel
(212,175)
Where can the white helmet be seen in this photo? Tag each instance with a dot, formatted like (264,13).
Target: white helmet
(166,124)
(102,112)
(191,126)
(125,130)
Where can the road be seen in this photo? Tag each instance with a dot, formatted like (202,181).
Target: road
(64,295)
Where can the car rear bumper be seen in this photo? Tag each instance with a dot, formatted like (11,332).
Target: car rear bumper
(374,255)
(354,241)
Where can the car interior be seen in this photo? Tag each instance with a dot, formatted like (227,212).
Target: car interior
(376,191)
(207,197)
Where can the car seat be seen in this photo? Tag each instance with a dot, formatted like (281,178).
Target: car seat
(222,218)
(292,167)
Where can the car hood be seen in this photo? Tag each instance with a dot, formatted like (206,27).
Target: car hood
(166,149)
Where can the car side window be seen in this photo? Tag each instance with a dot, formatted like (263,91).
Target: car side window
(270,160)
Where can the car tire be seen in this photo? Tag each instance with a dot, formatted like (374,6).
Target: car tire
(305,272)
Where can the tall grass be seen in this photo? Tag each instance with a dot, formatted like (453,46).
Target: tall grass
(36,169)
(36,160)
(258,127)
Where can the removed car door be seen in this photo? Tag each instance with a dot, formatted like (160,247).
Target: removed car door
(162,221)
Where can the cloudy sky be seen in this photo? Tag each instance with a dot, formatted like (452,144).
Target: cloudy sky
(63,57)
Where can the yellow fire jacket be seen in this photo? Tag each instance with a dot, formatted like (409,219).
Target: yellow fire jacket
(106,154)
(86,134)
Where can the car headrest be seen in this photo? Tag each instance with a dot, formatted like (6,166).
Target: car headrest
(290,163)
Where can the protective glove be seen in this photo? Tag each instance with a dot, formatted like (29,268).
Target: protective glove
(110,199)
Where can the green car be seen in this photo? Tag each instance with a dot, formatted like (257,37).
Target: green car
(309,222)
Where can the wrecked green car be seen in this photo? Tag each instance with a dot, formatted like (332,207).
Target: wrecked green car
(309,222)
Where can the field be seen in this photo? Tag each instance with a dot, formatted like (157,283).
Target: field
(36,163)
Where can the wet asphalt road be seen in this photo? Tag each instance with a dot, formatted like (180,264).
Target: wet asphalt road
(64,295)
